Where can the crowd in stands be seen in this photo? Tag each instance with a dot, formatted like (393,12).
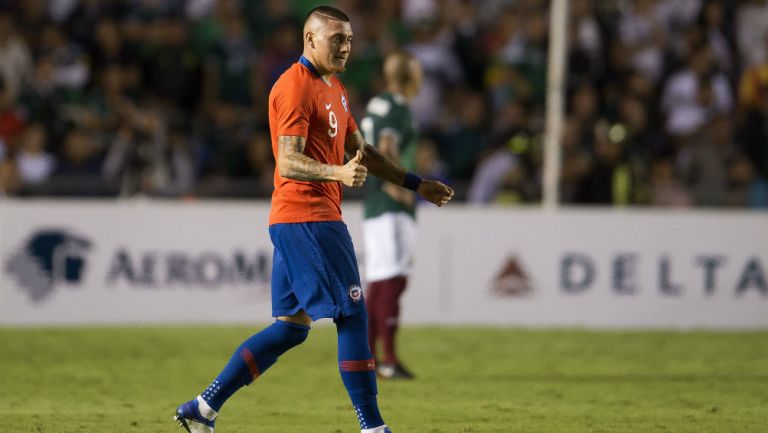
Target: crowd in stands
(666,100)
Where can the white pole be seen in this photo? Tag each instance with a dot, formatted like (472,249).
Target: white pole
(558,31)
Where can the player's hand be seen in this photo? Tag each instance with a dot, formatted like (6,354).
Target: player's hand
(353,173)
(435,191)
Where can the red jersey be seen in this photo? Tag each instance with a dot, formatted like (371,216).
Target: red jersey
(302,104)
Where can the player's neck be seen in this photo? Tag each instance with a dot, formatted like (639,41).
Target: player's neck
(312,65)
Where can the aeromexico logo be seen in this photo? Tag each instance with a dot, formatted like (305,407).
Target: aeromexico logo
(48,258)
(52,257)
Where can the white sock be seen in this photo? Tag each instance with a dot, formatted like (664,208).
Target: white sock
(379,429)
(206,411)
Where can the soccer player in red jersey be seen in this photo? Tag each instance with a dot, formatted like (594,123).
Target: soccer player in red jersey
(314,271)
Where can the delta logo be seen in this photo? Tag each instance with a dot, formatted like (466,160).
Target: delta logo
(512,280)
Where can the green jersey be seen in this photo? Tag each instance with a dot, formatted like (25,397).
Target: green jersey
(388,113)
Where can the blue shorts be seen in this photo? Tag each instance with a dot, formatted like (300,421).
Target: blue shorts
(314,269)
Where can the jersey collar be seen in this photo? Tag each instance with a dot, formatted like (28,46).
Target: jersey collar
(307,64)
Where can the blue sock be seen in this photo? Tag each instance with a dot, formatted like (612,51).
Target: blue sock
(252,359)
(357,368)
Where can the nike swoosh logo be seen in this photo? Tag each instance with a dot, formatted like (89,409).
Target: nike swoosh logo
(327,106)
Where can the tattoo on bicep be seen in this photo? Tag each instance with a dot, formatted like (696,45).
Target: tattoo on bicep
(293,164)
(291,143)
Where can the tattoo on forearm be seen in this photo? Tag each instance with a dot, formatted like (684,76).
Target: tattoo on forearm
(380,166)
(353,143)
(293,164)
(376,163)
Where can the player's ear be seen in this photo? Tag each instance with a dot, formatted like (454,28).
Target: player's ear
(310,37)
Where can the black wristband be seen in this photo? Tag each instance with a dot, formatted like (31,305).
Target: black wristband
(411,181)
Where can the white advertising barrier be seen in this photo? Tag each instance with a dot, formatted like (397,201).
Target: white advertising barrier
(133,262)
(176,262)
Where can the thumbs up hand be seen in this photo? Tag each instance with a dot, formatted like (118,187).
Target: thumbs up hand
(353,173)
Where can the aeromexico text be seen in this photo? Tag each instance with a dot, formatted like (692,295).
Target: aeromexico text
(579,273)
(207,269)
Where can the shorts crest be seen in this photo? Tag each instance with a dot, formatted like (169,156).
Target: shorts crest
(355,292)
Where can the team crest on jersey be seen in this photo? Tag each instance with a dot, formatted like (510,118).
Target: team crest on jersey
(356,293)
(344,102)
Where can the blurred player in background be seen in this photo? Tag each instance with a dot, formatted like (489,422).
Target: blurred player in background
(389,210)
(314,272)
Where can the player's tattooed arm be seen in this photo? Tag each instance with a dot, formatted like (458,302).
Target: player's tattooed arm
(378,164)
(293,164)
(432,190)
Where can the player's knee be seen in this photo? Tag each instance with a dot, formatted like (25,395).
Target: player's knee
(298,336)
(293,333)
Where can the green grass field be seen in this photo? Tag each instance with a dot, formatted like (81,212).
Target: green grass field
(115,380)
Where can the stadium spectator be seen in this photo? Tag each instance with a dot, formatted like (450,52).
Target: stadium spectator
(34,163)
(41,99)
(137,155)
(703,160)
(431,46)
(751,31)
(80,157)
(608,181)
(9,178)
(745,187)
(32,19)
(230,69)
(585,61)
(695,95)
(11,122)
(717,34)
(462,136)
(525,53)
(491,175)
(643,38)
(15,55)
(666,188)
(260,159)
(501,167)
(280,51)
(172,68)
(578,160)
(428,162)
(642,142)
(70,69)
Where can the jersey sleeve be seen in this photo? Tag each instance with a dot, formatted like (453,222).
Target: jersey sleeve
(351,124)
(293,105)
